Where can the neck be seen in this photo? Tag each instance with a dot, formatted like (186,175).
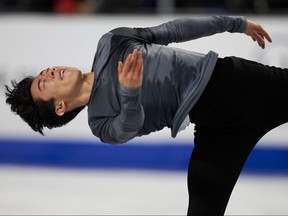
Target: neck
(88,80)
(84,94)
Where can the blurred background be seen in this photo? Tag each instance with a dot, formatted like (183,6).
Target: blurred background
(145,6)
(68,171)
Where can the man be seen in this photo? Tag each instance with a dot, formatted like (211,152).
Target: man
(156,87)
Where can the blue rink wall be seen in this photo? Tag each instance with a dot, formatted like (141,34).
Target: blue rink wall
(149,156)
(31,43)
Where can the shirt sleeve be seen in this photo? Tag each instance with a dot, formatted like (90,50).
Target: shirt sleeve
(185,29)
(190,28)
(125,126)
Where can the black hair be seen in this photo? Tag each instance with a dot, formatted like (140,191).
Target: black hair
(38,114)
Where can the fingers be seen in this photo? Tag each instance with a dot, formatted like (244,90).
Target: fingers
(134,60)
(260,39)
(120,68)
(138,69)
(127,64)
(264,34)
(258,33)
(130,62)
(130,73)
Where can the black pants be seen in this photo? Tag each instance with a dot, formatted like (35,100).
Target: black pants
(241,103)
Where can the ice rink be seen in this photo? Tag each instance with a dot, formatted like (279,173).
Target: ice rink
(47,191)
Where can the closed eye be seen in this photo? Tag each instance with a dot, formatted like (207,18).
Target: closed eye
(39,85)
(40,81)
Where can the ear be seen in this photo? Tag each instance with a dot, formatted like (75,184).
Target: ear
(60,108)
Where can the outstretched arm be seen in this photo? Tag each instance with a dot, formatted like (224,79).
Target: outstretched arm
(257,33)
(184,29)
(190,28)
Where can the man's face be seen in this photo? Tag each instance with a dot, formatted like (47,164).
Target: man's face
(60,82)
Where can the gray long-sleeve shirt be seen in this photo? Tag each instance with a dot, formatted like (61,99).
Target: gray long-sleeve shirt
(173,79)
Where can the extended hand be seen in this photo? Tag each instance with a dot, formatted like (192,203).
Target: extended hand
(257,33)
(131,73)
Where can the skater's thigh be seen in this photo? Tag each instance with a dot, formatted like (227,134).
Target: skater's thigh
(215,165)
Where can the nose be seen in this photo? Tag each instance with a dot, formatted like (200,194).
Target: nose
(51,72)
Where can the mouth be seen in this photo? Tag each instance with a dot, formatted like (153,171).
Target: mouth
(62,74)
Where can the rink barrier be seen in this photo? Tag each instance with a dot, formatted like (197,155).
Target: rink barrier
(150,156)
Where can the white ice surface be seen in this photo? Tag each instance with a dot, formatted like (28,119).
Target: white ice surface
(38,191)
